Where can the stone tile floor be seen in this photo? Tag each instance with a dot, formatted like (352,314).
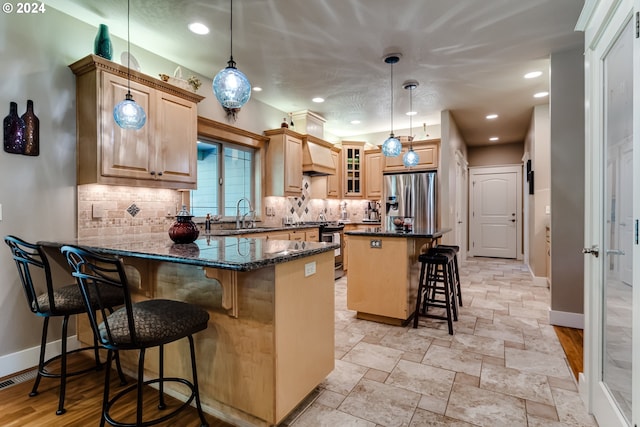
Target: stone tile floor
(503,366)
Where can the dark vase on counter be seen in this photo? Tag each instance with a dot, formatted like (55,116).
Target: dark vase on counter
(184,230)
(14,129)
(102,45)
(32,131)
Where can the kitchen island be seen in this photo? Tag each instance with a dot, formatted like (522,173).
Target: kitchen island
(270,339)
(383,272)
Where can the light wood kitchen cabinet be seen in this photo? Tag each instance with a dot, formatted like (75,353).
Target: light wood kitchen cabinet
(373,169)
(427,152)
(312,235)
(334,181)
(298,235)
(350,227)
(283,163)
(353,169)
(162,154)
(328,186)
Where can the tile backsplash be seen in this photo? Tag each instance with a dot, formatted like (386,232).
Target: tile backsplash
(105,210)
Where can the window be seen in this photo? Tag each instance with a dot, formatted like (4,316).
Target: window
(225,175)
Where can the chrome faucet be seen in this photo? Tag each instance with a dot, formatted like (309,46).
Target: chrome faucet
(242,224)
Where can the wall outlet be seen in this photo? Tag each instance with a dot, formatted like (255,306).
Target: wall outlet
(375,243)
(270,211)
(309,269)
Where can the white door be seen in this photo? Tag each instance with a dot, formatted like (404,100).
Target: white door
(612,166)
(494,213)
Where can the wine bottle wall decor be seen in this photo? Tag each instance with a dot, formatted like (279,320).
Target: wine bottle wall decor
(21,133)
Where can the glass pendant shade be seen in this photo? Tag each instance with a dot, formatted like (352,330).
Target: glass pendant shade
(231,87)
(410,158)
(128,114)
(392,146)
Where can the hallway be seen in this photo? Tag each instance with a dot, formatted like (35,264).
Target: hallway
(503,367)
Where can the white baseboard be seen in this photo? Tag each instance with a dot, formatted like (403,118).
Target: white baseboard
(540,281)
(28,358)
(566,319)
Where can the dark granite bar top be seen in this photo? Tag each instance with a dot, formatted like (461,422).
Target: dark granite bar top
(380,232)
(226,252)
(243,231)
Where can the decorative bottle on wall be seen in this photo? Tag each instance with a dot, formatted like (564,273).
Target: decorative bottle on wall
(13,131)
(32,131)
(102,45)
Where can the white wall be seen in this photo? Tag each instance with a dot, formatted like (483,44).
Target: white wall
(450,142)
(38,194)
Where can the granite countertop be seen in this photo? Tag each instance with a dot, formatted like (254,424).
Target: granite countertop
(380,232)
(225,252)
(242,231)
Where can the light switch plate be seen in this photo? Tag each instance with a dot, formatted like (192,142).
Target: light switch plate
(309,269)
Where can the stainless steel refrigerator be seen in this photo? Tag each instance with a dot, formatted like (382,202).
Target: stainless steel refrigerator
(410,202)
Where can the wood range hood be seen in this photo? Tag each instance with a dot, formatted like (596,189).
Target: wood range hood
(316,157)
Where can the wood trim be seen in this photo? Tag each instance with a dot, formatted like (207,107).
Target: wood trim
(226,133)
(93,62)
(228,280)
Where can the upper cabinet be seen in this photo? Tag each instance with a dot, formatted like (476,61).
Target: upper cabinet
(427,152)
(162,154)
(353,169)
(373,168)
(283,163)
(334,182)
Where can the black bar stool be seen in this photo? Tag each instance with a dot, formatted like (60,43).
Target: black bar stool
(136,326)
(436,280)
(46,300)
(456,273)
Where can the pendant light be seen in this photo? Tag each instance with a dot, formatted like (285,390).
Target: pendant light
(230,85)
(392,147)
(410,158)
(128,114)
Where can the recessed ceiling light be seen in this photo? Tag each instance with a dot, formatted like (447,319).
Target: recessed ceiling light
(198,28)
(540,94)
(257,89)
(318,99)
(494,138)
(355,122)
(492,116)
(533,75)
(411,113)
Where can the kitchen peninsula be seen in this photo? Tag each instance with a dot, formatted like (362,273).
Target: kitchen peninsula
(384,270)
(270,339)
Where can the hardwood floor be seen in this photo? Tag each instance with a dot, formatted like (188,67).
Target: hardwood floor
(572,342)
(83,403)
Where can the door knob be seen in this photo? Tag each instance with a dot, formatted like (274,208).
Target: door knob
(513,220)
(593,250)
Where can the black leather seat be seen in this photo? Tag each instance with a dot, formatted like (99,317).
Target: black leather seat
(454,249)
(136,326)
(436,283)
(48,300)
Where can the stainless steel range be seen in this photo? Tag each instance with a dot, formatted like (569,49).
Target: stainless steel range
(334,232)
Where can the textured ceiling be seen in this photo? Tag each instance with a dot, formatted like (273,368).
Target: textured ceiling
(469,56)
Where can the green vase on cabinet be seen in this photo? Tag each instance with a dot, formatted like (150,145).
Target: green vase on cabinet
(102,45)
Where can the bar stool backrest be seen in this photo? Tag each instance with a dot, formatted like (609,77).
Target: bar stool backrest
(33,264)
(97,276)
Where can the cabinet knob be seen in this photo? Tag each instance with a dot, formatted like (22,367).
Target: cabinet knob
(159,173)
(152,172)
